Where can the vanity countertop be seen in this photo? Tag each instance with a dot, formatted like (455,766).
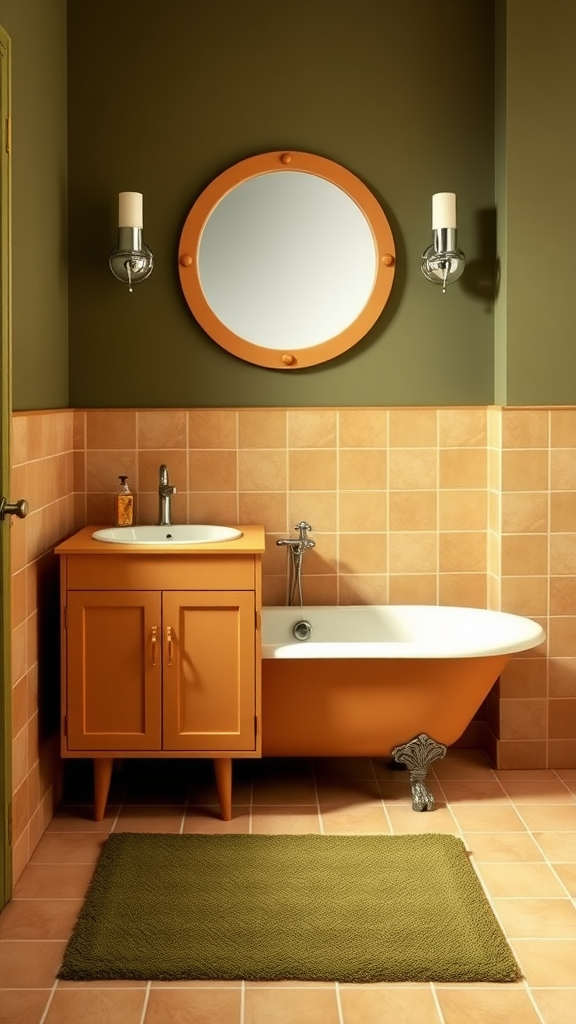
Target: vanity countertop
(251,542)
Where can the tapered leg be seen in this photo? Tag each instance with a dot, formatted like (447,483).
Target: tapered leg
(102,778)
(223,772)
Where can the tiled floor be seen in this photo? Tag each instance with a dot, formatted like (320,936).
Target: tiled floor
(519,826)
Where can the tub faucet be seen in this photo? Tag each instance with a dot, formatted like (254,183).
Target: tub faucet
(165,492)
(296,547)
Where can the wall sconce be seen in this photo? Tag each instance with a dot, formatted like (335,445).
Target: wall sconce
(443,262)
(132,261)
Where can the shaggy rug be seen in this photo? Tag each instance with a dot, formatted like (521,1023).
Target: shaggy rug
(307,907)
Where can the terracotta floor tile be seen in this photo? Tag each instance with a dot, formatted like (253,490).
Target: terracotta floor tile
(525,774)
(486,1006)
(557,846)
(96,1006)
(502,846)
(469,790)
(512,879)
(39,918)
(537,918)
(536,792)
(350,793)
(404,819)
(302,1005)
(208,1005)
(29,964)
(117,983)
(150,819)
(197,984)
(68,848)
(22,1006)
(547,962)
(208,820)
(555,818)
(292,820)
(487,818)
(272,791)
(388,1005)
(81,819)
(567,875)
(361,819)
(49,880)
(556,1005)
(401,793)
(460,768)
(530,895)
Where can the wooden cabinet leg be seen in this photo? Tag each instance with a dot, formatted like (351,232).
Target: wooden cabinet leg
(223,772)
(102,778)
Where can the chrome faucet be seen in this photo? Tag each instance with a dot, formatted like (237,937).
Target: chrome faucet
(165,492)
(296,547)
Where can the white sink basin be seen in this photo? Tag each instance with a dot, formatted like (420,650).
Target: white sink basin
(167,535)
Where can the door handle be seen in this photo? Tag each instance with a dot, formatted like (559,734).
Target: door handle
(19,508)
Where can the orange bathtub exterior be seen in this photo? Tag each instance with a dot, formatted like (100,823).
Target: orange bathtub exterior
(364,707)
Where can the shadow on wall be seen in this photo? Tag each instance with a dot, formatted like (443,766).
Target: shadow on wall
(482,277)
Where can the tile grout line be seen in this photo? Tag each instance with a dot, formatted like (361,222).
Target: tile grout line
(48,1002)
(146,1001)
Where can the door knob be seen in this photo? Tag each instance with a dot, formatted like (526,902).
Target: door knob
(20,508)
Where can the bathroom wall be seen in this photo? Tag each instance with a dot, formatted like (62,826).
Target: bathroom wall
(37,29)
(465,506)
(209,84)
(448,505)
(43,469)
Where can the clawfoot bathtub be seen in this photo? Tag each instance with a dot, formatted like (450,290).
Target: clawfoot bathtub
(381,680)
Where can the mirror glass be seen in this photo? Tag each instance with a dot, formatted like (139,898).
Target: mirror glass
(286,260)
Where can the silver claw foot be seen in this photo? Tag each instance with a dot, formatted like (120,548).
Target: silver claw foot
(417,754)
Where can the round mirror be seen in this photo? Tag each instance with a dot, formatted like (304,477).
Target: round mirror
(286,260)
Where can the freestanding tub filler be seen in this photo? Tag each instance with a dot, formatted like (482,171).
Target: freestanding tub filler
(381,680)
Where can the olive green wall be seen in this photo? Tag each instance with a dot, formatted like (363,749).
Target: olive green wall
(163,100)
(164,96)
(536,198)
(37,29)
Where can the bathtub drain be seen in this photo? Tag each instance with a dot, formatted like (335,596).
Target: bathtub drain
(302,630)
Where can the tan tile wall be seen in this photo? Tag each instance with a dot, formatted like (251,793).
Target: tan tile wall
(453,506)
(396,497)
(42,472)
(532,714)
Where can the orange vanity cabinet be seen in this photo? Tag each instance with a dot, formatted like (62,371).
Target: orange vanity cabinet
(161,653)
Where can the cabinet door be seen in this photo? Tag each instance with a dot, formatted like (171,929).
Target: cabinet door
(114,666)
(209,670)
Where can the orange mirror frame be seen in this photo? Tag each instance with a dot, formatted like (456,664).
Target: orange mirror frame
(283,354)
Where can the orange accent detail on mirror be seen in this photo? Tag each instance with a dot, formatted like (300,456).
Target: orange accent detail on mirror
(354,198)
(288,359)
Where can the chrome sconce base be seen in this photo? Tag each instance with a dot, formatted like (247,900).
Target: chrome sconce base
(443,262)
(132,261)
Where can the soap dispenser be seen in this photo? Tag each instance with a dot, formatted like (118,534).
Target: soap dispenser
(123,504)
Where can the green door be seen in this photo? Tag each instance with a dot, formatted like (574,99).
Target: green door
(5,407)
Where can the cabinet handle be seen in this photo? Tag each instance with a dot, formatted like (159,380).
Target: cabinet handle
(169,639)
(154,642)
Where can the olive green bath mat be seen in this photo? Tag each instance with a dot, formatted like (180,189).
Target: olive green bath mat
(309,907)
